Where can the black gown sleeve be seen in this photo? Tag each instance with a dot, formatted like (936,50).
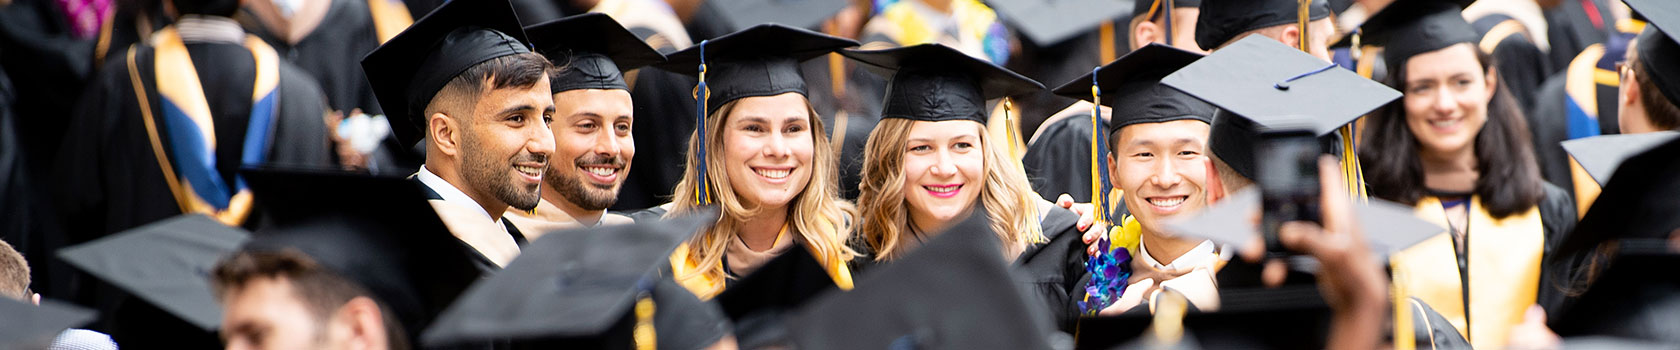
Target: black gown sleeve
(300,134)
(1548,124)
(1557,215)
(1052,274)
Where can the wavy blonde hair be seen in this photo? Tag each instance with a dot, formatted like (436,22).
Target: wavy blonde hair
(817,215)
(1006,195)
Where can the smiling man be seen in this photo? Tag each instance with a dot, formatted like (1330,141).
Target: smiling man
(1157,155)
(463,82)
(593,119)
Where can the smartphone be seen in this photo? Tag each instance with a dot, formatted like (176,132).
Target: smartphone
(1288,179)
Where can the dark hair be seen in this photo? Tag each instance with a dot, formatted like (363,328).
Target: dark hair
(522,70)
(318,288)
(1663,113)
(1509,181)
(219,8)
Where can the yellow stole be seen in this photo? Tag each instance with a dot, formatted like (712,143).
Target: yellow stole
(183,90)
(1504,268)
(706,286)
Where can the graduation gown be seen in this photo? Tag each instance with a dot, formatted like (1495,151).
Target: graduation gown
(480,237)
(1522,65)
(1572,26)
(659,96)
(848,116)
(329,53)
(1572,105)
(40,51)
(1052,274)
(1502,266)
(109,178)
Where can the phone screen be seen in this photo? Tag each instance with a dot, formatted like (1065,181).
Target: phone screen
(1288,179)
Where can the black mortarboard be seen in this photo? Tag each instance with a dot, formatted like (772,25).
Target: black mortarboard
(1637,202)
(1600,155)
(375,231)
(955,292)
(27,326)
(1634,295)
(1223,20)
(1131,88)
(1658,47)
(759,61)
(933,82)
(166,263)
(738,14)
(1049,22)
(410,69)
(760,303)
(1260,84)
(590,51)
(572,286)
(1407,28)
(1289,317)
(1388,227)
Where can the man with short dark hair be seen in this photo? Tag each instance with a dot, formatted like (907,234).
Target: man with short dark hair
(463,82)
(14,284)
(1648,90)
(285,300)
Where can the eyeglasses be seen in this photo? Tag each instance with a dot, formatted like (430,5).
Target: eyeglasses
(1622,68)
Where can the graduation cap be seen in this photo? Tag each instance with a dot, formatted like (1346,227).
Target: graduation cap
(934,82)
(28,326)
(591,50)
(579,286)
(1388,227)
(1408,28)
(1600,155)
(1223,20)
(955,292)
(759,61)
(1637,202)
(1289,317)
(410,69)
(1050,22)
(377,232)
(165,263)
(1658,47)
(1633,296)
(738,14)
(759,304)
(1260,84)
(1131,87)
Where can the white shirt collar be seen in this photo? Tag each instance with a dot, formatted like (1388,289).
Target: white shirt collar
(1202,255)
(449,192)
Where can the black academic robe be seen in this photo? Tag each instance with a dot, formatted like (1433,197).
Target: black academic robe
(858,112)
(40,51)
(1522,66)
(1053,273)
(1574,25)
(108,179)
(665,99)
(483,263)
(331,53)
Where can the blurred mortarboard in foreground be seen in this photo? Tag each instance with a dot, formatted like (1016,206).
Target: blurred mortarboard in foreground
(1636,297)
(934,82)
(760,303)
(28,326)
(1050,22)
(1289,317)
(808,14)
(166,263)
(574,287)
(955,292)
(1131,87)
(410,69)
(591,51)
(1408,28)
(378,232)
(1388,227)
(1223,20)
(1637,202)
(1658,46)
(1260,84)
(1600,155)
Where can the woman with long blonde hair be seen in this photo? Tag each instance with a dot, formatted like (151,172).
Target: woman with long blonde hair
(762,156)
(929,163)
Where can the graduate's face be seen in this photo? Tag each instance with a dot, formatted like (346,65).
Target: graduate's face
(1446,96)
(593,146)
(944,170)
(1162,168)
(265,313)
(768,146)
(507,144)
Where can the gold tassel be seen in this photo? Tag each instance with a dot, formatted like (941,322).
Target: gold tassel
(646,339)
